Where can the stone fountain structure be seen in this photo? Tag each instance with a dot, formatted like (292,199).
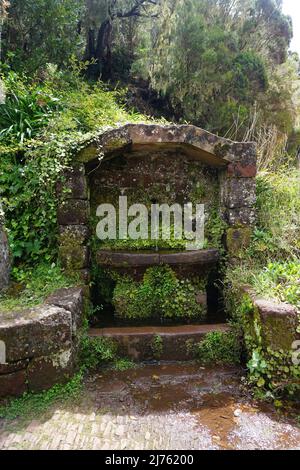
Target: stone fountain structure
(157,164)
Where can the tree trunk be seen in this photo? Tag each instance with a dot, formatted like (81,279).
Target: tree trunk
(103,51)
(90,45)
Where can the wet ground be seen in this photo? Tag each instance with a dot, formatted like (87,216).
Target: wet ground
(157,407)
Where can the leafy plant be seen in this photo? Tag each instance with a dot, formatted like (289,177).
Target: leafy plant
(32,285)
(34,157)
(157,346)
(280,281)
(160,294)
(26,111)
(271,373)
(219,348)
(122,364)
(97,351)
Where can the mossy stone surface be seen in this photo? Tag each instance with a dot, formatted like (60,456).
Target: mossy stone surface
(73,257)
(279,324)
(237,239)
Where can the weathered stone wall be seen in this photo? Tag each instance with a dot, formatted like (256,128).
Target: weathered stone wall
(4,255)
(73,219)
(154,177)
(39,345)
(278,322)
(238,197)
(174,343)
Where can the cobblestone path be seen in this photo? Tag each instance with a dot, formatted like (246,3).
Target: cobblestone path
(159,407)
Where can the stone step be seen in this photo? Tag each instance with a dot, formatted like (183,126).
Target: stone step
(166,343)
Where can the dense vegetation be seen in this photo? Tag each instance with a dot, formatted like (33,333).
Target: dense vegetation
(271,267)
(70,68)
(162,295)
(223,65)
(42,126)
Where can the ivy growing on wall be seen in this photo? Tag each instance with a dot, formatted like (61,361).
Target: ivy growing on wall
(42,126)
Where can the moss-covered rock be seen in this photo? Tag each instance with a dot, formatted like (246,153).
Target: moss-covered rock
(279,323)
(73,212)
(237,239)
(73,257)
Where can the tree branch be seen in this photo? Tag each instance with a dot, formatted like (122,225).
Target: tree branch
(135,10)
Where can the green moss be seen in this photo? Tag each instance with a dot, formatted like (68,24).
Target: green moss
(215,229)
(279,333)
(219,348)
(198,193)
(32,286)
(160,295)
(201,188)
(157,347)
(72,257)
(238,239)
(95,352)
(270,370)
(72,237)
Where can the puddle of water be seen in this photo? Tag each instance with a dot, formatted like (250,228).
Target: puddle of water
(209,398)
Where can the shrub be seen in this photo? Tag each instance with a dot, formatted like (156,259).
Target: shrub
(157,347)
(277,233)
(271,266)
(280,281)
(123,364)
(32,404)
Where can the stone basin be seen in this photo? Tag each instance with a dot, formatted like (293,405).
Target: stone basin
(136,259)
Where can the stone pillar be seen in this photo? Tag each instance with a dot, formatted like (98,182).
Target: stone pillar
(238,197)
(73,220)
(4,255)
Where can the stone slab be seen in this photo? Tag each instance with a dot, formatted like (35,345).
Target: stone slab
(13,385)
(70,299)
(194,141)
(239,192)
(74,184)
(4,258)
(44,372)
(137,343)
(136,259)
(35,332)
(279,321)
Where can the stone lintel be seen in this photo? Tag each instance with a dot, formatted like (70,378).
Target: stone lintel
(136,259)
